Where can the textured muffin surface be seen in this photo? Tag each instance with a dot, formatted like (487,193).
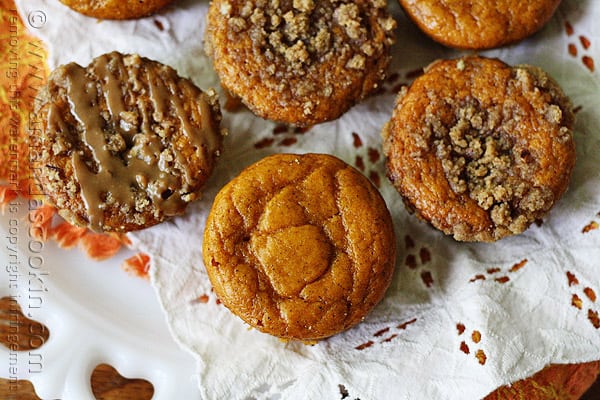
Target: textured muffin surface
(479,24)
(116,9)
(480,149)
(300,61)
(299,246)
(126,142)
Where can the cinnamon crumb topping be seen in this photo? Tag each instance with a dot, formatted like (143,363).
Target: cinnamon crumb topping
(300,31)
(293,54)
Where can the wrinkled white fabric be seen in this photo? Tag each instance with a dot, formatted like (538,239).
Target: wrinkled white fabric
(459,319)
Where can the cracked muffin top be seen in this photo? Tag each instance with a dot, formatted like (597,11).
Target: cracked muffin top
(126,143)
(480,149)
(479,24)
(300,246)
(299,61)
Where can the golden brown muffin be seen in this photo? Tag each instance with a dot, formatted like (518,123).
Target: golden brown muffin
(300,61)
(479,24)
(480,149)
(126,142)
(116,9)
(300,246)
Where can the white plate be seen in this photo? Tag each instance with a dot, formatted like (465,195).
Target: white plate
(96,313)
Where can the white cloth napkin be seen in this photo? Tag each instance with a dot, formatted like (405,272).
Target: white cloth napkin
(459,319)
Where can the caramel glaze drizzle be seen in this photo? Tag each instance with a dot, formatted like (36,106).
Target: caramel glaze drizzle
(123,179)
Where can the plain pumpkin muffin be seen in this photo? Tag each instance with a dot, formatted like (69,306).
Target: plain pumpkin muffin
(300,61)
(479,24)
(126,144)
(116,9)
(299,246)
(480,149)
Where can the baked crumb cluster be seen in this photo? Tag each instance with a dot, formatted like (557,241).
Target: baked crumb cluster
(477,158)
(300,51)
(499,136)
(304,32)
(127,142)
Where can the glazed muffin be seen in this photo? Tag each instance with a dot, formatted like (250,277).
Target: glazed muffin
(479,24)
(299,246)
(126,143)
(116,9)
(303,61)
(480,149)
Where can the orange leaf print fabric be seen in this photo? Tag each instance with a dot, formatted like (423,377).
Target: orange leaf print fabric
(23,62)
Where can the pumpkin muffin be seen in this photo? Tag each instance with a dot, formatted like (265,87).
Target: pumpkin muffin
(126,142)
(479,24)
(116,9)
(300,61)
(300,246)
(480,149)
